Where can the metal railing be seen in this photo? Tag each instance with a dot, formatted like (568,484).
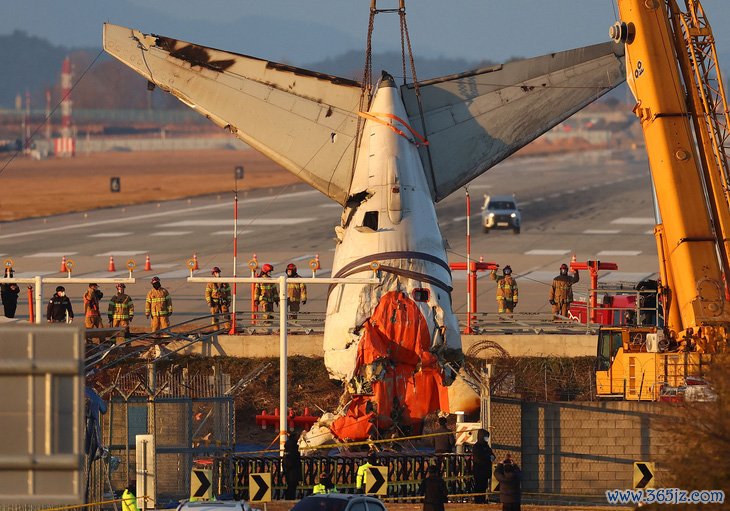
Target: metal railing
(405,473)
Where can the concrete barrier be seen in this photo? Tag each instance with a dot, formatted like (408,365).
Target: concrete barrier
(267,346)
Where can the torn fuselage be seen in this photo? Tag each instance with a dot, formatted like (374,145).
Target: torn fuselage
(396,344)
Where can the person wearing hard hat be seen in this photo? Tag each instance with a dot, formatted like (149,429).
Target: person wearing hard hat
(9,294)
(121,309)
(92,314)
(59,308)
(561,291)
(158,306)
(506,290)
(266,294)
(296,294)
(218,297)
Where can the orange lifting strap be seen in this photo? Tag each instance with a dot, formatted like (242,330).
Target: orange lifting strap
(375,116)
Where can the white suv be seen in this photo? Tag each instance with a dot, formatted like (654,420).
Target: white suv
(501,212)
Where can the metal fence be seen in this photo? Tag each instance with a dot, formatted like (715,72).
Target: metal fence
(191,415)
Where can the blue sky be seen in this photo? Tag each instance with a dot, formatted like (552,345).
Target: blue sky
(301,31)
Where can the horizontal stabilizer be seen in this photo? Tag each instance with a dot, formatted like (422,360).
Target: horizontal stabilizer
(476,119)
(303,120)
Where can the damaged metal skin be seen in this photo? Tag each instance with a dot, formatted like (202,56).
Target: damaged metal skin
(311,117)
(396,345)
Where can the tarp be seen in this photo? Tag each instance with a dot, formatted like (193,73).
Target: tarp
(394,359)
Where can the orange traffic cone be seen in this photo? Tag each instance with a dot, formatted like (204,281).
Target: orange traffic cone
(63,265)
(111,264)
(195,260)
(147,264)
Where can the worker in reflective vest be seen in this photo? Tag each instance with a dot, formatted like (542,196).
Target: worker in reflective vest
(158,305)
(325,485)
(121,309)
(296,294)
(362,472)
(129,501)
(266,294)
(506,290)
(218,297)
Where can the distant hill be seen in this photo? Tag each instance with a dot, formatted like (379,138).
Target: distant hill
(28,63)
(34,64)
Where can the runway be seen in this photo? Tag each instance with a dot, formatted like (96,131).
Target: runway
(584,204)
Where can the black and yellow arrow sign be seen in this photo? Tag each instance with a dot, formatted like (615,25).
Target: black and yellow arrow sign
(376,482)
(643,475)
(201,486)
(259,487)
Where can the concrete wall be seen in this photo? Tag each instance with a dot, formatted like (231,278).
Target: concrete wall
(582,448)
(264,346)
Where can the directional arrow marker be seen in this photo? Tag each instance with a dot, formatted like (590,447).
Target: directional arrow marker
(201,487)
(376,483)
(260,487)
(643,474)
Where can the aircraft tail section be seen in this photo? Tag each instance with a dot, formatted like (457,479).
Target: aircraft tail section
(476,119)
(303,120)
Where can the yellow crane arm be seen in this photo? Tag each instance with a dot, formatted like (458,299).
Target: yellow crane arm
(691,203)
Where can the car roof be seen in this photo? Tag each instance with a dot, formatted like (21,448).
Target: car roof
(501,198)
(210,505)
(340,496)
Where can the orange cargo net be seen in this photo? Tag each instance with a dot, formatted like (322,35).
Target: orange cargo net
(409,382)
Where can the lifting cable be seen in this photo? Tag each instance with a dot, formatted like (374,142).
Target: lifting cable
(366,84)
(405,38)
(366,91)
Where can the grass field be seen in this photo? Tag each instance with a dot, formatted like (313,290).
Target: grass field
(32,188)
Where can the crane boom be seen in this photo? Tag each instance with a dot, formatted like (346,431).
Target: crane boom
(672,71)
(691,202)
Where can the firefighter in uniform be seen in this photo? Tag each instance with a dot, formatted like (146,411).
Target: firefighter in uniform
(59,307)
(296,294)
(92,312)
(158,305)
(266,294)
(121,309)
(506,290)
(561,292)
(218,297)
